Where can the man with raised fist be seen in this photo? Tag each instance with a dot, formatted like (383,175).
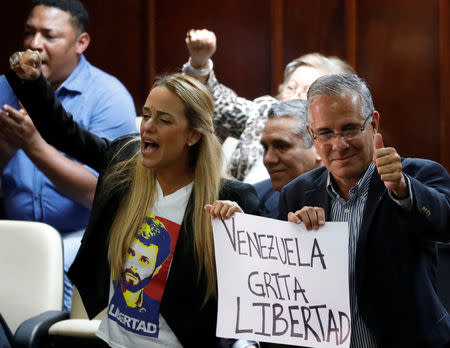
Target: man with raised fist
(396,210)
(38,182)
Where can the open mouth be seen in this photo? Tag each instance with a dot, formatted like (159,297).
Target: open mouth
(149,146)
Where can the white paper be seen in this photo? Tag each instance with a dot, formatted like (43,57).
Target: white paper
(278,282)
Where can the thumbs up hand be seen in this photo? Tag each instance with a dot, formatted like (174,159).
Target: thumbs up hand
(389,166)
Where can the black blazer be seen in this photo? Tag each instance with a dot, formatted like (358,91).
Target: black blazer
(396,253)
(182,305)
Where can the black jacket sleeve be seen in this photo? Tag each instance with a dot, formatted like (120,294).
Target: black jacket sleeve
(57,126)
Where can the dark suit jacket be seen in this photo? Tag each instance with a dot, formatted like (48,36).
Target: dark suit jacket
(182,305)
(396,253)
(269,197)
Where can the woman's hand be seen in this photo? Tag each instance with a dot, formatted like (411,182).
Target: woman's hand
(27,64)
(223,209)
(201,45)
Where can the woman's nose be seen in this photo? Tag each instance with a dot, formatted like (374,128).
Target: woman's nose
(148,124)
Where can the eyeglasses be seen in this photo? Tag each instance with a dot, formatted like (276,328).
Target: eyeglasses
(348,134)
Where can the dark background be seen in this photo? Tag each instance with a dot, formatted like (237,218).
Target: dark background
(400,47)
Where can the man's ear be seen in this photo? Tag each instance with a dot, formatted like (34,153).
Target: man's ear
(317,156)
(318,159)
(82,43)
(375,121)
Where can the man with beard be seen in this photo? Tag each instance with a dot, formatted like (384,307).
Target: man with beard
(131,306)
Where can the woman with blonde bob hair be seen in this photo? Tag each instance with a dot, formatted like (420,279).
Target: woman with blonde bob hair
(147,253)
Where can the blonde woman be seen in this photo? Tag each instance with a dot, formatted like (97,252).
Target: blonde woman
(148,250)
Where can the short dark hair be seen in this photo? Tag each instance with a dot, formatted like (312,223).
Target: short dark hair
(76,9)
(296,109)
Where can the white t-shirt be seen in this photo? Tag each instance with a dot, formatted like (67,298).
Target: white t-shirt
(133,318)
(258,172)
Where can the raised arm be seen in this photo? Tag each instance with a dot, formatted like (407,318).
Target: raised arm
(54,124)
(231,111)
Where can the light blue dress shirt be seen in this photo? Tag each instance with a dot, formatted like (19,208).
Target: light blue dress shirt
(98,102)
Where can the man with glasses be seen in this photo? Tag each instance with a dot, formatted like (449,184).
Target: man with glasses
(396,210)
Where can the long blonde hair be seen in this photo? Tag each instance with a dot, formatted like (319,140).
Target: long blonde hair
(205,160)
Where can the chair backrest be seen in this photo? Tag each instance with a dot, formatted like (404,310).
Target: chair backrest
(31,267)
(78,311)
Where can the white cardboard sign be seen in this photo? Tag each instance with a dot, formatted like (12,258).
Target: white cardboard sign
(278,282)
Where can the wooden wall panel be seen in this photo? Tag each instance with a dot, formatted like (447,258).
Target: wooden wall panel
(118,42)
(400,47)
(314,26)
(398,55)
(277,43)
(13,15)
(444,46)
(242,59)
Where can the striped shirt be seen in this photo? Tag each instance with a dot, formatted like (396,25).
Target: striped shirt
(352,212)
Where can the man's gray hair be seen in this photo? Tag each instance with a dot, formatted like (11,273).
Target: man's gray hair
(296,109)
(338,85)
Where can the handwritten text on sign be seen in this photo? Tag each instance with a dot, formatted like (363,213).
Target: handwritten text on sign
(280,283)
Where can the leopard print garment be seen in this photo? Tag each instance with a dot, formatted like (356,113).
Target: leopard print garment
(242,119)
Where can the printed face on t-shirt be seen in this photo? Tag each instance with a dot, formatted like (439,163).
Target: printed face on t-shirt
(135,302)
(141,264)
(149,250)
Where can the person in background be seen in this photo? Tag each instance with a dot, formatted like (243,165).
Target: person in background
(288,151)
(396,209)
(41,183)
(157,189)
(245,119)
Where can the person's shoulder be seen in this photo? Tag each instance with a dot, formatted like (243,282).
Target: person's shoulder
(126,139)
(125,146)
(309,179)
(263,187)
(107,81)
(266,99)
(242,193)
(265,103)
(234,185)
(413,166)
